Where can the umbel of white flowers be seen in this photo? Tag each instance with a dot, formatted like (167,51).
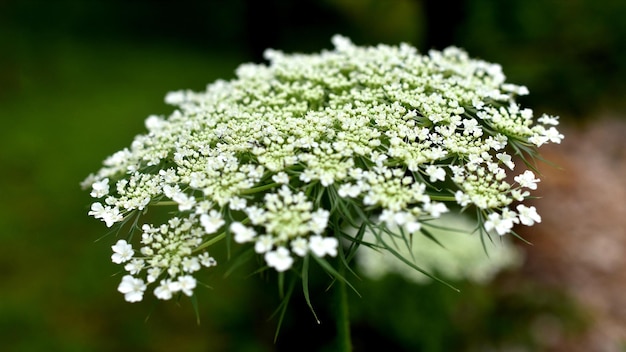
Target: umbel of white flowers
(288,156)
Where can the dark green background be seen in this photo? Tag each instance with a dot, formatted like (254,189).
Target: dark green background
(77,79)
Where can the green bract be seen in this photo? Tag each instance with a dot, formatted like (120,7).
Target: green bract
(289,158)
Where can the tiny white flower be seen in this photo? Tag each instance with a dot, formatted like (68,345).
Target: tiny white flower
(527,180)
(97,210)
(191,264)
(538,140)
(401,217)
(528,215)
(166,289)
(154,123)
(349,190)
(170,191)
(319,220)
(203,207)
(122,252)
(320,246)
(549,120)
(462,198)
(496,222)
(436,173)
(435,208)
(110,215)
(506,160)
(153,274)
(134,266)
(237,203)
(553,135)
(299,246)
(132,288)
(281,178)
(413,226)
(279,259)
(263,243)
(184,201)
(175,98)
(242,233)
(187,284)
(388,217)
(206,260)
(100,188)
(212,221)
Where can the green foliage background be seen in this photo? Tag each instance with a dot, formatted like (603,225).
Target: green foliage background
(77,79)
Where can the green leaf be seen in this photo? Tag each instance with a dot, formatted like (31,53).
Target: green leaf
(330,270)
(305,285)
(194,304)
(430,236)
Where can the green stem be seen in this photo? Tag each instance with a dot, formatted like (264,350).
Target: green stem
(208,243)
(343,318)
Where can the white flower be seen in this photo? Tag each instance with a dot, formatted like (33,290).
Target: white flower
(237,203)
(100,188)
(319,220)
(506,160)
(462,198)
(299,246)
(281,178)
(263,243)
(349,190)
(538,140)
(206,260)
(175,98)
(212,221)
(132,288)
(166,289)
(187,284)
(122,252)
(154,123)
(191,264)
(184,201)
(495,221)
(413,226)
(528,215)
(242,233)
(153,274)
(548,120)
(279,259)
(436,173)
(320,246)
(554,136)
(527,180)
(135,266)
(435,208)
(110,215)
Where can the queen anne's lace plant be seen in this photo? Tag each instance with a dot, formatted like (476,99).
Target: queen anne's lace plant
(287,157)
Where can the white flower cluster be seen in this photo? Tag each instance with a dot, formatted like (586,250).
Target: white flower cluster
(283,156)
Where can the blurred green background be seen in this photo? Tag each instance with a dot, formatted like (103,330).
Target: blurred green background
(78,78)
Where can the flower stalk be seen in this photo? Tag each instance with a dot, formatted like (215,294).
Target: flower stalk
(343,315)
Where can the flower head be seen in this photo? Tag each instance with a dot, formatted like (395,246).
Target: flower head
(288,156)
